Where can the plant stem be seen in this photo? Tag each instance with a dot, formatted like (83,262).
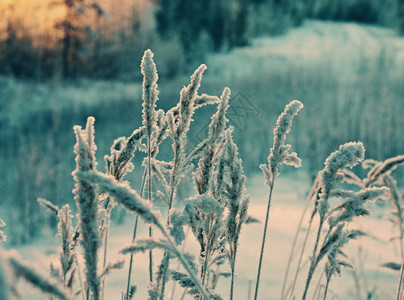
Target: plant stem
(313,263)
(184,263)
(173,176)
(249,290)
(326,287)
(80,279)
(150,258)
(306,205)
(400,282)
(106,241)
(301,256)
(232,281)
(131,259)
(184,293)
(233,268)
(317,288)
(164,263)
(178,264)
(263,239)
(149,198)
(166,260)
(104,263)
(400,285)
(134,237)
(204,269)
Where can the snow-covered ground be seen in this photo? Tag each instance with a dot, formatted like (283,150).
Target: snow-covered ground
(339,45)
(367,254)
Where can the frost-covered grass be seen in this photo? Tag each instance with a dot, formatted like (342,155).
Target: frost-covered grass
(348,97)
(213,214)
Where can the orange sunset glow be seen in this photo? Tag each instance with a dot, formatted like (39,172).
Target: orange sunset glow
(39,18)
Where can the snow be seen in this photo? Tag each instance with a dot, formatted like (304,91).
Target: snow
(287,204)
(339,45)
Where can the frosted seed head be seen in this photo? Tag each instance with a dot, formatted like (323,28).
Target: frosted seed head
(372,194)
(150,92)
(123,194)
(33,276)
(279,153)
(148,67)
(267,173)
(142,245)
(186,104)
(177,222)
(219,120)
(196,79)
(85,146)
(348,155)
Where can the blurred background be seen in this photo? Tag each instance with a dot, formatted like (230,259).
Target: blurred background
(63,60)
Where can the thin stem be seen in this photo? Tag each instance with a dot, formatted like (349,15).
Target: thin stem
(326,287)
(401,243)
(134,237)
(400,282)
(263,239)
(233,269)
(249,290)
(232,281)
(80,279)
(172,192)
(205,268)
(184,263)
(131,259)
(356,276)
(166,260)
(149,198)
(173,176)
(150,257)
(313,263)
(184,293)
(178,264)
(215,278)
(306,205)
(104,263)
(317,289)
(301,255)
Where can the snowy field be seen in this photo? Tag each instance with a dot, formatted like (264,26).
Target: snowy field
(339,45)
(366,254)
